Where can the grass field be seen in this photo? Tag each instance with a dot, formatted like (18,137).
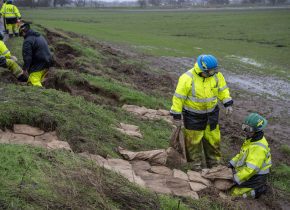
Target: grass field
(244,41)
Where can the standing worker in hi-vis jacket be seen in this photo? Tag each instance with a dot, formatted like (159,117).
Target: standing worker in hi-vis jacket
(11,16)
(196,98)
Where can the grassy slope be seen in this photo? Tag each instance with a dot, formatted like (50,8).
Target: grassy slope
(34,178)
(183,33)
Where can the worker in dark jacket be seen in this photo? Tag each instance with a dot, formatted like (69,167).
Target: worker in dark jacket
(36,55)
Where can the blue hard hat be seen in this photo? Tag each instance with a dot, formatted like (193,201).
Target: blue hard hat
(9,1)
(207,62)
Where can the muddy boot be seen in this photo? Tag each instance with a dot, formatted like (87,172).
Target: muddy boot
(260,191)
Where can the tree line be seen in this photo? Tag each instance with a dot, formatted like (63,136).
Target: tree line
(141,3)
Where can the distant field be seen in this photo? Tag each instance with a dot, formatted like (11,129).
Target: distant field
(245,41)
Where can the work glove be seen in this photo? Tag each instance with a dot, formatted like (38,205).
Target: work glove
(229,110)
(176,119)
(13,58)
(23,77)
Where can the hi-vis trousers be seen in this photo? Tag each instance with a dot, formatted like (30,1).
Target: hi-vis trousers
(204,141)
(36,78)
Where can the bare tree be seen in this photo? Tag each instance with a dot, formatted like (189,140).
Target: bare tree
(142,3)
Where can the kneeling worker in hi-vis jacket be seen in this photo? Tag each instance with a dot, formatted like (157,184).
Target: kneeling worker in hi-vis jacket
(252,165)
(36,55)
(196,98)
(8,61)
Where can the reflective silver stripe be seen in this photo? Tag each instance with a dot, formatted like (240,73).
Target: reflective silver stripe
(241,162)
(198,111)
(227,100)
(216,80)
(261,145)
(253,193)
(173,112)
(5,52)
(232,163)
(266,164)
(223,88)
(252,166)
(237,180)
(180,96)
(266,171)
(202,99)
(189,74)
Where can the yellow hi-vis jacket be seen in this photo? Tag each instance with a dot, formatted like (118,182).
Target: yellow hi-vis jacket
(10,11)
(198,94)
(254,158)
(4,50)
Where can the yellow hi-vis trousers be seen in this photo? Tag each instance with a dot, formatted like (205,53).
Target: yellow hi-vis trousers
(12,28)
(244,192)
(204,141)
(35,78)
(14,67)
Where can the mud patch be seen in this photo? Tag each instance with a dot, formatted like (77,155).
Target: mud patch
(123,66)
(7,77)
(65,56)
(141,79)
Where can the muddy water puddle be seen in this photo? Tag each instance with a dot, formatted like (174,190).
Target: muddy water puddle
(269,86)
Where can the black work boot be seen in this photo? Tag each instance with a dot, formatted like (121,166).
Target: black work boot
(16,34)
(10,35)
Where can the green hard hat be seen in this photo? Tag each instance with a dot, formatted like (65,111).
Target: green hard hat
(256,121)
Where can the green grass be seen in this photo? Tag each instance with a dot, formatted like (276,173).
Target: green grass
(34,178)
(280,179)
(251,34)
(93,128)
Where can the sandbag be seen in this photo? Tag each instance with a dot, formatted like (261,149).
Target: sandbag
(219,172)
(154,157)
(177,141)
(223,184)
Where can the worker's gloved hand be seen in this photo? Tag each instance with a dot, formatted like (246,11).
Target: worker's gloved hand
(229,110)
(176,119)
(22,78)
(13,58)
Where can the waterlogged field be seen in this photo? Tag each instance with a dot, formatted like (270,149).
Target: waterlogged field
(256,41)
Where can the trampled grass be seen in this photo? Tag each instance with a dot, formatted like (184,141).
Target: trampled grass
(261,35)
